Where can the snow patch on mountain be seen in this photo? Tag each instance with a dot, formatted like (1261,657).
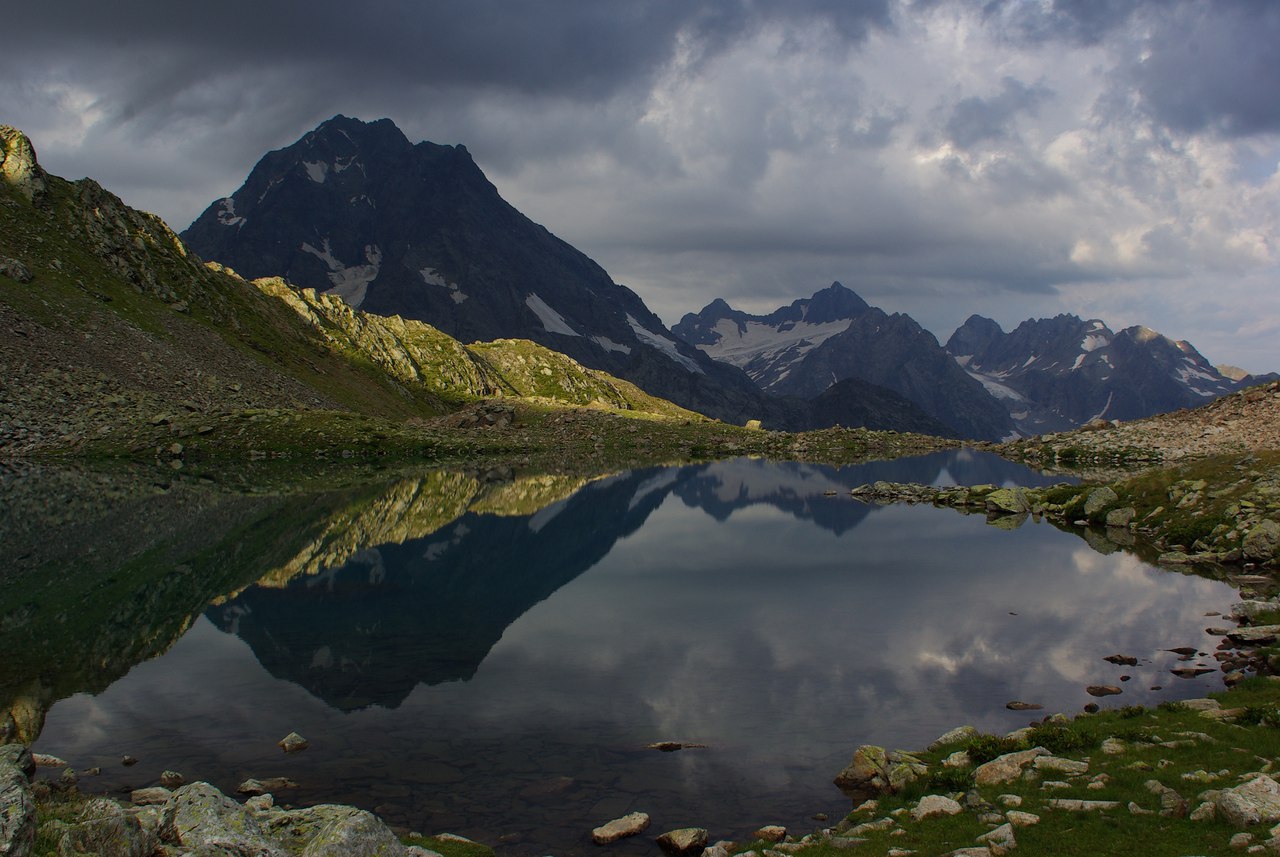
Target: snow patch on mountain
(350,282)
(740,344)
(666,346)
(609,345)
(432,277)
(227,216)
(317,171)
(552,321)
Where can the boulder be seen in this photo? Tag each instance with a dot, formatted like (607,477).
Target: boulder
(629,825)
(771,833)
(1054,765)
(153,796)
(198,816)
(1071,804)
(1121,517)
(1006,768)
(1099,499)
(875,770)
(685,842)
(935,806)
(1008,501)
(1254,802)
(293,743)
(329,830)
(17,810)
(959,735)
(106,830)
(1263,542)
(1022,819)
(1102,690)
(20,757)
(1000,841)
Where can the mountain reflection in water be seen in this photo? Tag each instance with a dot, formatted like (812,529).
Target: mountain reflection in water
(492,659)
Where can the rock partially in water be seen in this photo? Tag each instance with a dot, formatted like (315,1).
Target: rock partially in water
(685,842)
(1102,690)
(620,828)
(294,743)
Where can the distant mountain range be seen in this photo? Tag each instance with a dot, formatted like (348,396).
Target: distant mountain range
(416,230)
(802,349)
(1047,375)
(1061,372)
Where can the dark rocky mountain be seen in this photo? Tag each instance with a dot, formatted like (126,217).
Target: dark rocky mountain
(805,348)
(1058,373)
(416,230)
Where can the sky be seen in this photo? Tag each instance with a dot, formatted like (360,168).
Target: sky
(1011,158)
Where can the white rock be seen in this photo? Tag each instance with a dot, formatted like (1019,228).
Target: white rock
(1255,802)
(619,828)
(935,806)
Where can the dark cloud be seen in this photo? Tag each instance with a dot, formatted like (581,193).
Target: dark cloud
(933,152)
(1213,66)
(975,120)
(579,48)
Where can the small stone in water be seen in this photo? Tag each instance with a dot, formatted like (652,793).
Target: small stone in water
(294,743)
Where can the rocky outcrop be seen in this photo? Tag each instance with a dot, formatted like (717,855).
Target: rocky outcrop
(17,808)
(18,166)
(875,770)
(107,830)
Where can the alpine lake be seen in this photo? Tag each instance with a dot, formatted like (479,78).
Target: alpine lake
(493,657)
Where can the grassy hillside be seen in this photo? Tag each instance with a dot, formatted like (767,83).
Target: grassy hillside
(115,339)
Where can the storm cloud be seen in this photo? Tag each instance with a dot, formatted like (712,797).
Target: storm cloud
(1016,158)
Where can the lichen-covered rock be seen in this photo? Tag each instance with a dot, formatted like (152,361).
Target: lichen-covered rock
(1254,802)
(935,806)
(1099,499)
(1262,544)
(199,816)
(999,841)
(959,735)
(1008,501)
(18,166)
(17,811)
(344,831)
(1121,517)
(875,770)
(14,269)
(1006,768)
(106,830)
(685,842)
(20,757)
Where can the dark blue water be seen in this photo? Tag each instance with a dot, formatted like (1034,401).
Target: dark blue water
(500,675)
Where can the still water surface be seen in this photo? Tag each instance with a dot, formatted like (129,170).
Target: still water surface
(501,674)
